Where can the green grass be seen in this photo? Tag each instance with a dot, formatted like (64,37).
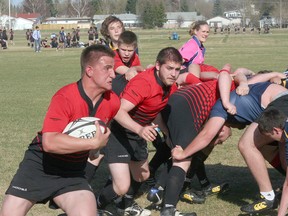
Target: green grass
(28,80)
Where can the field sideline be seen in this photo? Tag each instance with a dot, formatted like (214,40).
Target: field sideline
(28,81)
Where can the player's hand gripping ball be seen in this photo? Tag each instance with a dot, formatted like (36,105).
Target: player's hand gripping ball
(84,128)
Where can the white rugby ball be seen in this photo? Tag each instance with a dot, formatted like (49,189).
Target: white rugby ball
(84,127)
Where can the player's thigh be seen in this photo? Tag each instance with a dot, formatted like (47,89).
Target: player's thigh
(139,170)
(78,203)
(183,164)
(120,176)
(15,206)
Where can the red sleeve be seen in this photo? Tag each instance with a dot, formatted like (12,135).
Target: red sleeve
(57,116)
(192,79)
(133,93)
(117,60)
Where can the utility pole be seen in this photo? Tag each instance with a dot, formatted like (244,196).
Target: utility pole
(280,18)
(9,15)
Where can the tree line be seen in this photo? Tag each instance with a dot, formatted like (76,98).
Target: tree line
(152,12)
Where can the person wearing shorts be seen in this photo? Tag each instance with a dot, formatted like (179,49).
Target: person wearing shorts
(53,165)
(272,124)
(141,101)
(249,108)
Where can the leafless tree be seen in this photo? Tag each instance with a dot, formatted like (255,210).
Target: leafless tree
(34,6)
(80,8)
(3,7)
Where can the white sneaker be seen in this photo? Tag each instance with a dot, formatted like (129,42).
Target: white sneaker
(134,210)
(102,212)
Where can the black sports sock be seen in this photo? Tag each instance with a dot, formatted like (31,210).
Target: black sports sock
(128,198)
(164,174)
(161,156)
(106,196)
(90,170)
(174,185)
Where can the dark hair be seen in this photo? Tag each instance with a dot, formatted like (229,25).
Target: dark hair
(196,26)
(104,27)
(128,37)
(93,53)
(270,118)
(264,71)
(169,54)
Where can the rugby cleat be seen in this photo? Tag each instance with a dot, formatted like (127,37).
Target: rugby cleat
(213,189)
(190,196)
(172,211)
(259,205)
(102,212)
(134,210)
(155,195)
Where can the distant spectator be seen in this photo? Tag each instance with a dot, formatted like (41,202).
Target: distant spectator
(11,38)
(74,38)
(31,38)
(37,39)
(5,37)
(53,35)
(62,38)
(3,42)
(27,34)
(68,39)
(91,33)
(78,34)
(54,43)
(44,43)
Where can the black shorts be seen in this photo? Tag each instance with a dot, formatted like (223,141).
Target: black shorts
(125,146)
(180,122)
(280,103)
(31,183)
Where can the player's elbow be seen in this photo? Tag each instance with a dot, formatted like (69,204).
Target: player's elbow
(47,143)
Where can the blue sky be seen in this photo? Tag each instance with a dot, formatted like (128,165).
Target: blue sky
(15,2)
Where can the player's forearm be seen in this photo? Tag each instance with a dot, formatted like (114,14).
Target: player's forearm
(224,83)
(59,143)
(124,119)
(240,79)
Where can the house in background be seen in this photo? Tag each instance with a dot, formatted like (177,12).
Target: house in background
(181,19)
(219,22)
(35,17)
(174,19)
(129,20)
(16,23)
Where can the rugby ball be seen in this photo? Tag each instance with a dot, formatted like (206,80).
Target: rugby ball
(84,127)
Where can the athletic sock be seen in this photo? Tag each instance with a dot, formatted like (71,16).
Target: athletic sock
(161,156)
(174,185)
(90,170)
(106,196)
(128,198)
(163,175)
(270,195)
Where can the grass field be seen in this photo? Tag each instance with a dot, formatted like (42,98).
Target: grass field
(29,79)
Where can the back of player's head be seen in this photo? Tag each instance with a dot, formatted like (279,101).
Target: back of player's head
(93,53)
(128,37)
(105,24)
(195,26)
(271,118)
(169,54)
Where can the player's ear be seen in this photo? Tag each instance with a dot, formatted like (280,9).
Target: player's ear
(277,130)
(89,71)
(157,65)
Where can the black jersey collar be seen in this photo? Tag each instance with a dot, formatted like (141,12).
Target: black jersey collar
(166,89)
(92,110)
